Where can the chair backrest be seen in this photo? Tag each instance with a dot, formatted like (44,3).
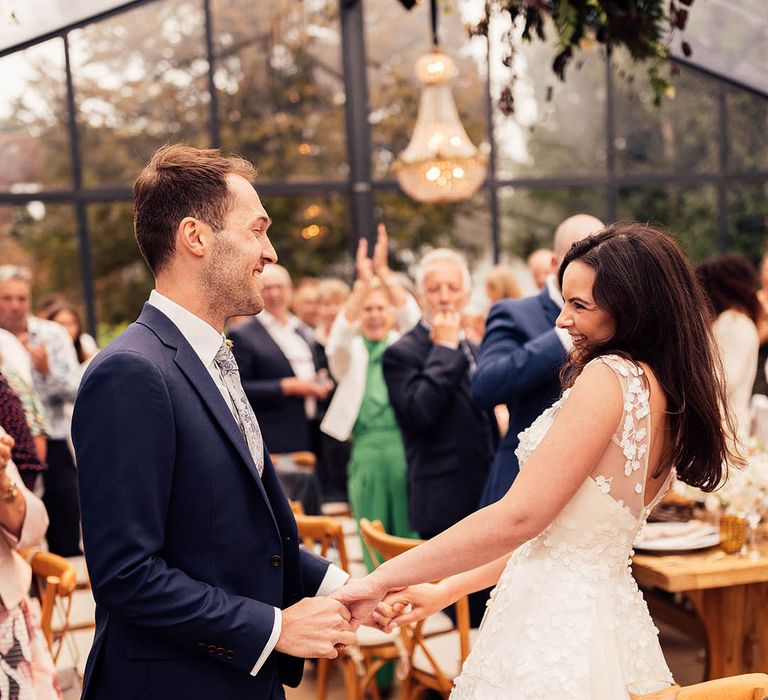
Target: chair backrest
(749,686)
(300,459)
(53,578)
(383,546)
(296,507)
(320,533)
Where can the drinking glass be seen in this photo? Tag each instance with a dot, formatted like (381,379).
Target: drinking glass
(653,690)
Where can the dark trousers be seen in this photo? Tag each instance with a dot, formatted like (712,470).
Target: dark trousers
(62,501)
(477,600)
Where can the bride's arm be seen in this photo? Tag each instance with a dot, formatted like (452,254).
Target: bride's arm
(551,477)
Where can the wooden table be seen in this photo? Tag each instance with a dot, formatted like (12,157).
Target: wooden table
(730,596)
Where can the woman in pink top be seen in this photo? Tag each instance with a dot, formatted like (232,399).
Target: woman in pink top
(26,667)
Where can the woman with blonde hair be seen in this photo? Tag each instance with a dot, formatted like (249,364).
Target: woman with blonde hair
(501,283)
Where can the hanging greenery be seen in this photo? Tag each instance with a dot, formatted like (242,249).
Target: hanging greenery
(643,27)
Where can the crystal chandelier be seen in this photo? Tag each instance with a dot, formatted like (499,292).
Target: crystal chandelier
(440,163)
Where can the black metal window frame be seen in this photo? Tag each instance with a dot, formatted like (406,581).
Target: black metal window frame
(360,187)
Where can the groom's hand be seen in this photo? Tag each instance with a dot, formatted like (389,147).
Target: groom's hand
(360,596)
(313,627)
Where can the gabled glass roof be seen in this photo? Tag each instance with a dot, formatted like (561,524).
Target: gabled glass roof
(728,37)
(26,20)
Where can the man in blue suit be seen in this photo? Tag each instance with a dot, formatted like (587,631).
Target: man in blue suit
(521,356)
(200,585)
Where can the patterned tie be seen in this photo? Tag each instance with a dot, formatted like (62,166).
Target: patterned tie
(246,418)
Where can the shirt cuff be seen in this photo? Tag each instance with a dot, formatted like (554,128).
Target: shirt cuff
(277,627)
(565,338)
(334,578)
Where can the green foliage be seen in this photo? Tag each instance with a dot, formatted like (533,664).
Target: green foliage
(639,26)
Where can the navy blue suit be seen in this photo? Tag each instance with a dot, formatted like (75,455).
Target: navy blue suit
(519,365)
(188,549)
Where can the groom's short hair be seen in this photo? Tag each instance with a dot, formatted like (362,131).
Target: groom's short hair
(181,181)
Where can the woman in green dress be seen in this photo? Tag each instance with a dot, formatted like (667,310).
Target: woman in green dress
(377,312)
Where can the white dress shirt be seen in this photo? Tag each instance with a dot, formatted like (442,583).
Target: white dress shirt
(206,341)
(553,289)
(296,350)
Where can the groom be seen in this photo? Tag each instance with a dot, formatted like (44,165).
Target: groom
(192,550)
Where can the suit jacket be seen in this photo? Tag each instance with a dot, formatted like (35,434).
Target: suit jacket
(449,440)
(263,365)
(519,364)
(188,549)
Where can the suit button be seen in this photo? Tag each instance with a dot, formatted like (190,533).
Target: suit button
(275,561)
(220,651)
(211,648)
(229,655)
(200,645)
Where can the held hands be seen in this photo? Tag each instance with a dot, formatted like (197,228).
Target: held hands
(315,628)
(360,596)
(292,386)
(410,605)
(39,356)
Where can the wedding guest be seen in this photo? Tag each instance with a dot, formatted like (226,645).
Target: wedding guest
(521,356)
(449,440)
(730,283)
(361,408)
(26,667)
(14,420)
(56,376)
(305,306)
(541,263)
(501,283)
(761,378)
(331,295)
(67,315)
(16,366)
(285,378)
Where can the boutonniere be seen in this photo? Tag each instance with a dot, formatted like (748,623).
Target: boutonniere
(229,343)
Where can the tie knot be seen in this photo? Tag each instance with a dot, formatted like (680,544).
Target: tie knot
(224,357)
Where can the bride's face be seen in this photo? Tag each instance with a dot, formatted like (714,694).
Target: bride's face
(585,321)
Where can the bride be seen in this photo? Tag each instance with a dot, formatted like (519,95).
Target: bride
(642,396)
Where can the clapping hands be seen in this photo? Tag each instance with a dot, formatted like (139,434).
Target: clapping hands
(376,266)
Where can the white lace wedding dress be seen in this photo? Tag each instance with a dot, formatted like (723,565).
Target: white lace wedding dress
(566,620)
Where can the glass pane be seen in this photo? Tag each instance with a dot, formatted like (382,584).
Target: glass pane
(394,89)
(122,281)
(680,136)
(748,219)
(415,227)
(34,136)
(529,217)
(747,131)
(558,128)
(43,237)
(141,80)
(310,234)
(689,213)
(280,87)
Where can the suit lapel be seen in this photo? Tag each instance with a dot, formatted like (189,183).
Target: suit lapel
(190,365)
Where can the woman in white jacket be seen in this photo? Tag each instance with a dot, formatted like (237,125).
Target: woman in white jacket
(360,408)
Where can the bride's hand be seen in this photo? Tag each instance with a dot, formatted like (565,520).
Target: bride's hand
(424,600)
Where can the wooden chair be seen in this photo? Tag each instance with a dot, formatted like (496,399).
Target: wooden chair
(300,459)
(54,580)
(750,686)
(321,534)
(435,659)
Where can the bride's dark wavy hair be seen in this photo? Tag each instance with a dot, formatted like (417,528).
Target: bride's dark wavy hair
(662,316)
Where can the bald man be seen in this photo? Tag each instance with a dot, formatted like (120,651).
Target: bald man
(541,263)
(521,356)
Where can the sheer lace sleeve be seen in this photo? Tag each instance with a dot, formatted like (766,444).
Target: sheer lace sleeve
(623,468)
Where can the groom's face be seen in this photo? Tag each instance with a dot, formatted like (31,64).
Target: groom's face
(239,253)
